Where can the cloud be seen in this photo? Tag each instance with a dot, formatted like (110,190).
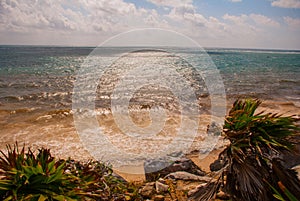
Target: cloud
(286,3)
(293,23)
(258,19)
(90,22)
(254,29)
(171,3)
(263,20)
(235,1)
(76,16)
(179,13)
(74,22)
(235,19)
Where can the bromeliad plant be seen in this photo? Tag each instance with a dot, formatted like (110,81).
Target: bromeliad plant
(39,177)
(26,176)
(252,168)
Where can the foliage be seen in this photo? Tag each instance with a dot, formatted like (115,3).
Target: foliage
(29,176)
(99,181)
(26,176)
(252,157)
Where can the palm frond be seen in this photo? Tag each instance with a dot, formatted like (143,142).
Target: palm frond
(255,140)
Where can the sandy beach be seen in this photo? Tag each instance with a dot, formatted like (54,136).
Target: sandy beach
(57,132)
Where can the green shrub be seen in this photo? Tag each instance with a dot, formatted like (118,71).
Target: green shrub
(97,181)
(252,167)
(26,176)
(39,177)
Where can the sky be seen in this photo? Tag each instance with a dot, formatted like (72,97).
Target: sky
(267,24)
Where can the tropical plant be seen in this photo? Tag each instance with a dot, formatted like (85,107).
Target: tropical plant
(39,177)
(26,176)
(97,181)
(252,168)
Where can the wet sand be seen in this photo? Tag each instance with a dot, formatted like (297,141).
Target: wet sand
(56,130)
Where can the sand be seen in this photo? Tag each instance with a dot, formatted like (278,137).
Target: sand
(57,132)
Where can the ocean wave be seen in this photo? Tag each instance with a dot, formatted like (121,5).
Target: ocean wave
(40,96)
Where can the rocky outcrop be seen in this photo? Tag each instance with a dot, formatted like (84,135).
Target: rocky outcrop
(185,176)
(161,167)
(175,182)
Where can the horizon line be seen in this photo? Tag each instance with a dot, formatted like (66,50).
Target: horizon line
(208,47)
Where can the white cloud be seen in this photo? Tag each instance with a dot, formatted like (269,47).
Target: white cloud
(235,1)
(293,22)
(77,16)
(171,3)
(180,12)
(286,3)
(254,30)
(90,22)
(263,20)
(77,22)
(235,19)
(260,20)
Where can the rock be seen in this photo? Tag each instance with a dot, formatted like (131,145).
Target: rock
(160,187)
(186,186)
(214,129)
(193,191)
(154,168)
(159,198)
(218,164)
(161,180)
(162,167)
(147,190)
(181,175)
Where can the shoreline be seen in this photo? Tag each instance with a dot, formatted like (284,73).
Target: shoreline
(57,132)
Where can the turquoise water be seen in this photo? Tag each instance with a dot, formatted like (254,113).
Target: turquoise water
(36,93)
(44,76)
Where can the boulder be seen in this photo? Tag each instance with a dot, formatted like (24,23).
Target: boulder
(162,167)
(160,187)
(196,189)
(218,164)
(186,176)
(147,190)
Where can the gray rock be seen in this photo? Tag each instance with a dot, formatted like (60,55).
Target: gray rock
(147,190)
(162,167)
(214,129)
(218,164)
(160,187)
(195,190)
(186,176)
(161,180)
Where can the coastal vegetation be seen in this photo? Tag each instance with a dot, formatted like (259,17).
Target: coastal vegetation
(252,165)
(29,176)
(252,168)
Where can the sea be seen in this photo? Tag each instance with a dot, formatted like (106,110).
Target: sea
(47,92)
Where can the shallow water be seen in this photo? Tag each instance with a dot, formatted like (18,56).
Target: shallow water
(36,91)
